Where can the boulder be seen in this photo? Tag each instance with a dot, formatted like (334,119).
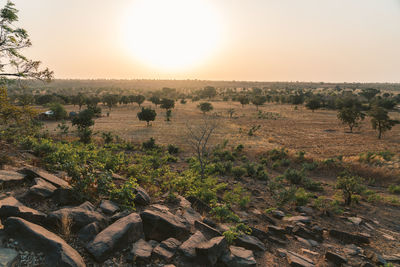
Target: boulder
(298,260)
(208,231)
(278,214)
(10,177)
(160,225)
(199,204)
(239,257)
(210,251)
(42,188)
(108,207)
(355,220)
(140,252)
(141,196)
(277,231)
(250,242)
(119,215)
(33,172)
(307,234)
(349,238)
(166,249)
(11,207)
(89,232)
(36,238)
(335,258)
(79,216)
(260,234)
(8,257)
(65,196)
(116,236)
(188,247)
(190,215)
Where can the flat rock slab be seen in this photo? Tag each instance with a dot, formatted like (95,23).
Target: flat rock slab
(250,242)
(208,231)
(141,251)
(33,172)
(160,225)
(34,237)
(11,207)
(298,260)
(116,236)
(335,258)
(42,188)
(8,257)
(239,257)
(296,219)
(79,216)
(141,196)
(9,177)
(349,238)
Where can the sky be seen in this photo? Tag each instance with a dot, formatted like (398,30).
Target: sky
(255,40)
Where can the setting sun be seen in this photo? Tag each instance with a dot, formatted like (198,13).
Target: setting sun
(172,35)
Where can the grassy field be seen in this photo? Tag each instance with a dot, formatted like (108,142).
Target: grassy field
(320,134)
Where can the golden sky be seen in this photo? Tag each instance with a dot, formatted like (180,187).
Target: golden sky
(264,40)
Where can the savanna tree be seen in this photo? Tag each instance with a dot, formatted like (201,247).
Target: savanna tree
(167,104)
(380,120)
(350,116)
(258,100)
(205,107)
(147,115)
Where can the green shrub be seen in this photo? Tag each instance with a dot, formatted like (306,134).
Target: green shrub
(350,185)
(277,154)
(302,197)
(238,172)
(309,166)
(294,176)
(172,149)
(325,205)
(150,144)
(394,189)
(223,213)
(236,231)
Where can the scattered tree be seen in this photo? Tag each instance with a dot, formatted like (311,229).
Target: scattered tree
(155,100)
(167,104)
(258,100)
(380,120)
(147,114)
(369,93)
(244,100)
(350,185)
(313,104)
(205,107)
(350,117)
(59,111)
(83,121)
(139,99)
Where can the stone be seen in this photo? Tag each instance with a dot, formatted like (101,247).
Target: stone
(307,234)
(210,251)
(116,236)
(208,231)
(307,242)
(36,238)
(305,209)
(312,253)
(42,188)
(160,225)
(298,260)
(260,234)
(268,219)
(65,196)
(296,219)
(89,232)
(349,238)
(355,220)
(11,207)
(335,258)
(119,215)
(141,252)
(239,257)
(199,204)
(392,258)
(250,242)
(166,249)
(277,231)
(352,250)
(141,196)
(10,177)
(79,216)
(188,247)
(8,257)
(190,215)
(33,172)
(278,214)
(108,207)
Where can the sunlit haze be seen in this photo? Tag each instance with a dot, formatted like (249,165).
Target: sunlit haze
(265,40)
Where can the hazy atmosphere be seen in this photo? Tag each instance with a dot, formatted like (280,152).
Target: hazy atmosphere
(265,40)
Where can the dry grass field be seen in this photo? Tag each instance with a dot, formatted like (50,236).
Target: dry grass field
(319,133)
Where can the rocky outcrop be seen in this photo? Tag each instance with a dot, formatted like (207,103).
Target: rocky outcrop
(166,249)
(250,242)
(11,207)
(42,188)
(239,257)
(108,207)
(141,196)
(160,225)
(34,237)
(349,238)
(116,236)
(10,177)
(210,251)
(33,172)
(141,252)
(188,248)
(78,216)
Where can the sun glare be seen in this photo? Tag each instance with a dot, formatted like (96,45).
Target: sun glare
(172,35)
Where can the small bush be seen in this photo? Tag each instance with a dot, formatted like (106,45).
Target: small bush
(238,172)
(236,231)
(150,144)
(223,213)
(172,149)
(294,176)
(302,197)
(350,185)
(277,154)
(394,189)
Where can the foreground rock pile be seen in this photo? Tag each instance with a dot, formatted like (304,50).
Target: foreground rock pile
(46,225)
